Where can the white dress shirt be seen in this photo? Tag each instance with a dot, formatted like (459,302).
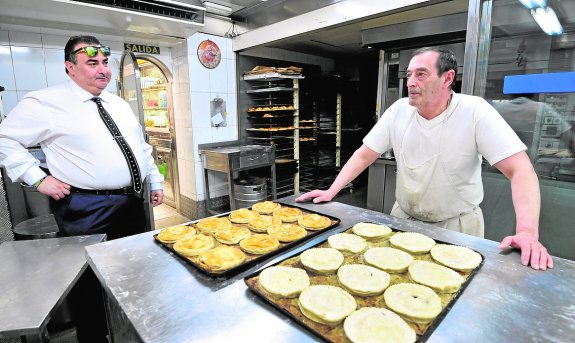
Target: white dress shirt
(79,149)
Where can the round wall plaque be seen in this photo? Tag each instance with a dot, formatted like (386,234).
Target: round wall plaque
(209,54)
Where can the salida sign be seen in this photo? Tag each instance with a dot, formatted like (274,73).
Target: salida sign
(147,49)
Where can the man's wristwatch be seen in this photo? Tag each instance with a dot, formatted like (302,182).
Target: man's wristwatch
(39,182)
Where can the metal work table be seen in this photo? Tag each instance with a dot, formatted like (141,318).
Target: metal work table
(155,297)
(36,276)
(231,157)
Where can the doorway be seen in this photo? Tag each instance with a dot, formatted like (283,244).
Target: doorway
(146,84)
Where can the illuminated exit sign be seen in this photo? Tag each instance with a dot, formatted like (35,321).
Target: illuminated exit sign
(140,48)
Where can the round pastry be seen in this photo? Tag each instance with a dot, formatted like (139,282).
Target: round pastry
(388,259)
(213,224)
(456,257)
(194,244)
(439,278)
(233,235)
(321,260)
(362,280)
(287,232)
(242,216)
(221,258)
(288,214)
(413,302)
(372,324)
(259,244)
(314,221)
(347,243)
(412,242)
(326,304)
(371,231)
(264,223)
(172,233)
(286,282)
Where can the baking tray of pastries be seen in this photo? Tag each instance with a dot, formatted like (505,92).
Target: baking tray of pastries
(229,243)
(271,108)
(369,282)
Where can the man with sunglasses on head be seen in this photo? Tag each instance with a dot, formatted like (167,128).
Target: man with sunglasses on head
(95,173)
(89,180)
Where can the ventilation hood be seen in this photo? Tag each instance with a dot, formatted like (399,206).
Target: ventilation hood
(146,18)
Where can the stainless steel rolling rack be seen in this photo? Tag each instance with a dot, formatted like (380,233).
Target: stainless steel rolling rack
(231,157)
(274,119)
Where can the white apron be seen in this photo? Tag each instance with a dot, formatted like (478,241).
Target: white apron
(425,192)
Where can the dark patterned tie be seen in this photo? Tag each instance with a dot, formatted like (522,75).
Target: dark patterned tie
(126,150)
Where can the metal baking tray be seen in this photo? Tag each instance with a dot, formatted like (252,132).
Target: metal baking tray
(326,333)
(251,259)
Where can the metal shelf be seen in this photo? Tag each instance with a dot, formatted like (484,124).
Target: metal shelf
(271,89)
(271,77)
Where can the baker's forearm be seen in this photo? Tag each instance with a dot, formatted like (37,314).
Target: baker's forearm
(526,201)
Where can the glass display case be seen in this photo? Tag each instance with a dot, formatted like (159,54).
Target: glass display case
(513,45)
(146,85)
(154,97)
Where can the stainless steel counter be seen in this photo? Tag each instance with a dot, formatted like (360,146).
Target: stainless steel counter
(36,276)
(159,298)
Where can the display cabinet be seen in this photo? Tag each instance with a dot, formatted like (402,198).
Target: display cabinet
(154,97)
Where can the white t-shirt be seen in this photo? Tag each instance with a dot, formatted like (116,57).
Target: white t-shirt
(469,129)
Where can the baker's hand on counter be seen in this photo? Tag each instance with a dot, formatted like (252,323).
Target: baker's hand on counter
(54,188)
(317,196)
(157,197)
(532,251)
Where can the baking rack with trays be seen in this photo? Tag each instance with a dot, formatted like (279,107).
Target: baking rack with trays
(289,306)
(277,96)
(251,259)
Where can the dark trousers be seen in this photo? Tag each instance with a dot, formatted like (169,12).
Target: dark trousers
(84,214)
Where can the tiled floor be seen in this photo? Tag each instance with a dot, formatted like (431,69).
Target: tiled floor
(165,215)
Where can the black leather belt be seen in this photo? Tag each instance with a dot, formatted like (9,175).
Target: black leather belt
(122,191)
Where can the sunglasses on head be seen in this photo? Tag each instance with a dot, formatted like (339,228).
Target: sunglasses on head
(92,51)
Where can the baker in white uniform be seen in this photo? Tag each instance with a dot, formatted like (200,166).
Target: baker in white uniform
(438,138)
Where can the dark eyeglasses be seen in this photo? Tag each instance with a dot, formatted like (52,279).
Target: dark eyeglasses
(92,51)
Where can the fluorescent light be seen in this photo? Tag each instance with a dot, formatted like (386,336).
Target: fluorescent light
(547,20)
(531,4)
(212,7)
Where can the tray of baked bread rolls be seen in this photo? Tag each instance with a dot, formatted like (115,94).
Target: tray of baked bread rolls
(229,243)
(370,283)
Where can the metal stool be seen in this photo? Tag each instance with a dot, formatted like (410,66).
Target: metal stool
(43,226)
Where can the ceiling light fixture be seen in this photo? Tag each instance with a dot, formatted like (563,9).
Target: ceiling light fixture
(547,20)
(212,7)
(531,4)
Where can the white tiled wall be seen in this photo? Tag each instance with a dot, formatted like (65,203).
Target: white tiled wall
(35,60)
(197,89)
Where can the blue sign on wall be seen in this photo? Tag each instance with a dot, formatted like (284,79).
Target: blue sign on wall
(539,83)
